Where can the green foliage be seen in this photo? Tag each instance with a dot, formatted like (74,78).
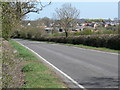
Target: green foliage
(114,42)
(6,21)
(27,68)
(90,40)
(6,29)
(37,75)
(33,67)
(101,38)
(100,30)
(86,32)
(12,14)
(58,34)
(10,18)
(30,32)
(23,52)
(86,37)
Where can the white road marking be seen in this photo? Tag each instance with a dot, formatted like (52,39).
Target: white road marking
(80,86)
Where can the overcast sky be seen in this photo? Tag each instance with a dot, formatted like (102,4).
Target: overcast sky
(88,10)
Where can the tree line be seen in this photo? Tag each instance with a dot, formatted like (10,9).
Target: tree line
(14,12)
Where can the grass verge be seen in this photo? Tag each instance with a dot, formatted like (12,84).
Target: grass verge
(83,46)
(95,48)
(87,47)
(37,75)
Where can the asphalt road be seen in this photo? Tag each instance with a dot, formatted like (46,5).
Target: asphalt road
(89,68)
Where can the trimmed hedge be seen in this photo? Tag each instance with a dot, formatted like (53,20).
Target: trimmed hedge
(108,41)
(111,41)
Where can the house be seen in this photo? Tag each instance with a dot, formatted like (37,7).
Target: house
(48,29)
(78,28)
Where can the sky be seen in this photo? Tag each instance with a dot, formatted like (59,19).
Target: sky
(88,10)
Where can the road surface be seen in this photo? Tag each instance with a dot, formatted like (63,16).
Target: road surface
(89,68)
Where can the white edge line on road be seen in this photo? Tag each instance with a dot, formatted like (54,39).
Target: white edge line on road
(80,86)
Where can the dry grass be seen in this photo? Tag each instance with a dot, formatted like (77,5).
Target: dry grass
(12,76)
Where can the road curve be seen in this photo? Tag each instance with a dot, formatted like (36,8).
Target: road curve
(90,68)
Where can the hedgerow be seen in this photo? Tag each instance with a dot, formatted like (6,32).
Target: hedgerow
(111,41)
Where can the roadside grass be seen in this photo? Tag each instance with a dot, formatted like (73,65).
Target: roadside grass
(95,48)
(87,47)
(23,52)
(37,75)
(82,46)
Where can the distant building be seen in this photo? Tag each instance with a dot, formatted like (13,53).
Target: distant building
(48,29)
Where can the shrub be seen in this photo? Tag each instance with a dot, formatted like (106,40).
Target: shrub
(86,32)
(108,41)
(96,40)
(113,42)
(27,68)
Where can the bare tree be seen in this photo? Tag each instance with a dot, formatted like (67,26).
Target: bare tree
(67,16)
(23,8)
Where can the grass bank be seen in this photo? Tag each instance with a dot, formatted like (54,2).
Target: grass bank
(37,75)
